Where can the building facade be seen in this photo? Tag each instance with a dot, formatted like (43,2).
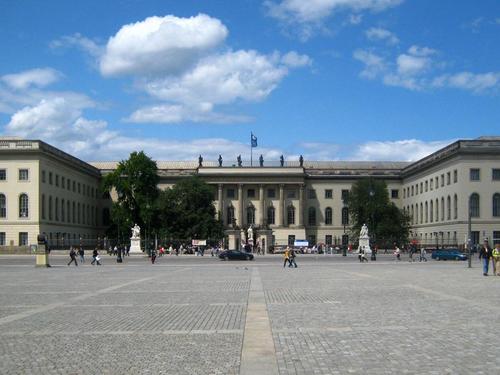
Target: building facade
(282,203)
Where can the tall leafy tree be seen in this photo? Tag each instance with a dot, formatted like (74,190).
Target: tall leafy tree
(135,183)
(369,203)
(186,211)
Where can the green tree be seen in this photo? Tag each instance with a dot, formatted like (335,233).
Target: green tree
(135,182)
(186,211)
(368,203)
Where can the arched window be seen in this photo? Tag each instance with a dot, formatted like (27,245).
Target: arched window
(50,208)
(448,208)
(496,205)
(474,205)
(345,216)
(271,215)
(230,215)
(290,215)
(437,210)
(328,216)
(416,214)
(455,207)
(250,215)
(311,216)
(23,205)
(426,212)
(3,206)
(431,211)
(421,213)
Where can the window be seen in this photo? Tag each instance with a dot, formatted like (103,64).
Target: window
(455,207)
(57,180)
(271,215)
(73,213)
(345,216)
(271,193)
(23,175)
(50,178)
(79,188)
(394,193)
(43,176)
(311,194)
(43,206)
(250,215)
(230,193)
(251,193)
(68,184)
(448,208)
(421,213)
(50,208)
(495,174)
(426,186)
(2,238)
(442,180)
(23,205)
(3,206)
(455,176)
(475,174)
(74,186)
(404,193)
(328,239)
(426,212)
(436,180)
(431,211)
(437,210)
(290,215)
(496,205)
(63,182)
(412,191)
(311,216)
(291,240)
(496,237)
(23,238)
(345,195)
(68,212)
(230,215)
(291,194)
(3,174)
(448,178)
(79,214)
(421,187)
(57,209)
(62,210)
(416,214)
(328,194)
(474,205)
(328,216)
(431,186)
(442,209)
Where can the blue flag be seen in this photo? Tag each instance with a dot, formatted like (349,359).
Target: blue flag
(253,140)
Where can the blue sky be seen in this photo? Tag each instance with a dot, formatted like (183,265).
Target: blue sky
(329,79)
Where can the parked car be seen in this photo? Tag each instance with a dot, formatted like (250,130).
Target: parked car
(235,255)
(448,254)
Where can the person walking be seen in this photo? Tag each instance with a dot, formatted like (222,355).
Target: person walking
(397,253)
(95,257)
(81,253)
(292,259)
(153,256)
(496,258)
(286,257)
(423,254)
(72,255)
(485,254)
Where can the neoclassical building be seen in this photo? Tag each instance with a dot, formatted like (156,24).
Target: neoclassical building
(44,190)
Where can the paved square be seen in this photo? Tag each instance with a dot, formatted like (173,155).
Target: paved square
(189,315)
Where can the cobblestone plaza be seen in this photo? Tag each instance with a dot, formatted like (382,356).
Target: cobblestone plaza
(193,315)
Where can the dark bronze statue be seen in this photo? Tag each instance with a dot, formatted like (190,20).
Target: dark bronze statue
(301,161)
(282,160)
(261,160)
(200,161)
(238,159)
(220,160)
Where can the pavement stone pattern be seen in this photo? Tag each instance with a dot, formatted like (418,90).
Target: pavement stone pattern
(330,315)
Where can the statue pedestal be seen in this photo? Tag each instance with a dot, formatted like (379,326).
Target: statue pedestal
(42,257)
(135,246)
(364,243)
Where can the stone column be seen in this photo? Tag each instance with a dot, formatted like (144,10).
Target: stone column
(282,205)
(220,206)
(262,205)
(240,205)
(302,205)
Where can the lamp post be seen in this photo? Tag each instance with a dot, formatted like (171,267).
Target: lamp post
(469,240)
(372,213)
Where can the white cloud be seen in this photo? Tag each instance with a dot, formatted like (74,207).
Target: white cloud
(374,65)
(77,40)
(477,83)
(309,15)
(294,60)
(377,33)
(403,150)
(39,77)
(161,45)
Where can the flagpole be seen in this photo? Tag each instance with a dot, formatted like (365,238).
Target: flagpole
(251,149)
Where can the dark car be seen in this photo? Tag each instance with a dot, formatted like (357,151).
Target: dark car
(448,254)
(235,255)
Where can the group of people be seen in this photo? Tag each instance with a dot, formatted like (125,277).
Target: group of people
(289,257)
(81,254)
(487,254)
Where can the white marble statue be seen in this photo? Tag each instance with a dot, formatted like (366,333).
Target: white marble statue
(136,231)
(364,231)
(250,234)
